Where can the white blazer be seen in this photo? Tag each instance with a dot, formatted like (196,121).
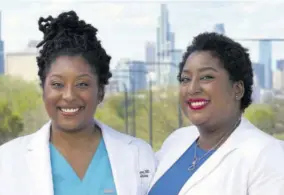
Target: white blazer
(250,162)
(282,142)
(25,167)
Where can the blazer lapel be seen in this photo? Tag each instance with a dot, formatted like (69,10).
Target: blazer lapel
(121,160)
(212,163)
(38,161)
(173,153)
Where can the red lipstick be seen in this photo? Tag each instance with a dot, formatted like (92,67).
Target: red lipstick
(197,104)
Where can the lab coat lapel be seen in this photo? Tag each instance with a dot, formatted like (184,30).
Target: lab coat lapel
(121,160)
(173,152)
(38,161)
(212,163)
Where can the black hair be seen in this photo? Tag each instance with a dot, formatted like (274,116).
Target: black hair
(67,35)
(234,57)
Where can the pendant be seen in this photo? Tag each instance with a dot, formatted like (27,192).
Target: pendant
(192,167)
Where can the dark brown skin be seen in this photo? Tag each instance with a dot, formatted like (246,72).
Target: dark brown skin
(70,83)
(204,77)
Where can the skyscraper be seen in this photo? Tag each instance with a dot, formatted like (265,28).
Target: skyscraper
(132,73)
(1,49)
(165,47)
(139,72)
(280,68)
(258,71)
(280,65)
(150,56)
(219,28)
(265,58)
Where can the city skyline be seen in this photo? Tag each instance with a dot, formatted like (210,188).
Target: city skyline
(135,23)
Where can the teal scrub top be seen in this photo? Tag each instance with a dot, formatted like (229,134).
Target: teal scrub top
(98,179)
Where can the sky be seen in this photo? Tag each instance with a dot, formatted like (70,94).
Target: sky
(125,26)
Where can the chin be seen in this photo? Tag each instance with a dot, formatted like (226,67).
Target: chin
(197,119)
(69,127)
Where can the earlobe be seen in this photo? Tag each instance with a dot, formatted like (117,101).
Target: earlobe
(239,90)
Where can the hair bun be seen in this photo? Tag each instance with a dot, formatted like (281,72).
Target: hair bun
(64,23)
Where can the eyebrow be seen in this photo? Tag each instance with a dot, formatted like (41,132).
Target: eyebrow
(82,75)
(202,69)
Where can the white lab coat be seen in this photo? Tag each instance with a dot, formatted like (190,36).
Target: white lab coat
(25,163)
(282,143)
(250,162)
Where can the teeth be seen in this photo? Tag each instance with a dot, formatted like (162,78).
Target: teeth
(69,110)
(196,104)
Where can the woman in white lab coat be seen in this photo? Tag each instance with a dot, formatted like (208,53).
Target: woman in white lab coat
(74,154)
(222,153)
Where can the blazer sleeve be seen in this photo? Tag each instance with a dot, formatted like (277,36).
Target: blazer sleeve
(267,174)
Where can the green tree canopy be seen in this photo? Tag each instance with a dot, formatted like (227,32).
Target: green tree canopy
(11,123)
(262,116)
(21,102)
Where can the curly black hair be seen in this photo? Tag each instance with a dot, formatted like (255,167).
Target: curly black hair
(234,57)
(67,35)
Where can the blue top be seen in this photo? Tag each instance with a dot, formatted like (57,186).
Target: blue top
(174,179)
(97,180)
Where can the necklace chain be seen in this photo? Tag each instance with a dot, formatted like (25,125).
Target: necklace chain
(196,159)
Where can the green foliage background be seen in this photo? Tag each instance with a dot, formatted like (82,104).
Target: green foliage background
(22,112)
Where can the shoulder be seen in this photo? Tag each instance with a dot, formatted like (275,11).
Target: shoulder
(181,135)
(256,141)
(262,145)
(281,143)
(138,144)
(13,152)
(179,138)
(264,156)
(141,152)
(15,148)
(266,170)
(15,145)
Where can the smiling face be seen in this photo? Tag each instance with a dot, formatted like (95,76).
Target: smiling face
(206,92)
(71,93)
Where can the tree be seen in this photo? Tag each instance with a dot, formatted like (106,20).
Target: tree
(11,123)
(108,114)
(34,119)
(262,116)
(278,109)
(165,115)
(21,95)
(24,100)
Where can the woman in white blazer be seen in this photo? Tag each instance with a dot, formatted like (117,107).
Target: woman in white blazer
(222,153)
(73,153)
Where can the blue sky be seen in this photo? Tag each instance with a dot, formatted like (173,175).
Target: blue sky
(125,26)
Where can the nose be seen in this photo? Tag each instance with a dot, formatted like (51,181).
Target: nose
(194,87)
(68,93)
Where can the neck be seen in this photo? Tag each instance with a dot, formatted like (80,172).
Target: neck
(82,139)
(212,134)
